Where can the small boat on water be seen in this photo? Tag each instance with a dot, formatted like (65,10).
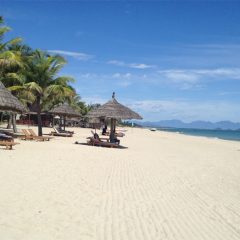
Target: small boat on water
(153,129)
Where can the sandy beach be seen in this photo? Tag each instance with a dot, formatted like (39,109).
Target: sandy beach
(161,186)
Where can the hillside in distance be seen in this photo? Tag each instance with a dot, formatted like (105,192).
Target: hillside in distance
(224,125)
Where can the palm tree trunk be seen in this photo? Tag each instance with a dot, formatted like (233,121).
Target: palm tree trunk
(9,126)
(14,115)
(39,118)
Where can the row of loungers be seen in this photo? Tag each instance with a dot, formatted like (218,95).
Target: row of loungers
(29,134)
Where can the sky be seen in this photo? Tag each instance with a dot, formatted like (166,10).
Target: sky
(164,59)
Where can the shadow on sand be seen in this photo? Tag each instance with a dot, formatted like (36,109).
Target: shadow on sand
(85,144)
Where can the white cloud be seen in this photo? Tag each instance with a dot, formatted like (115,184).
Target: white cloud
(188,78)
(117,63)
(125,83)
(94,99)
(182,76)
(76,55)
(140,65)
(122,75)
(192,74)
(130,65)
(155,110)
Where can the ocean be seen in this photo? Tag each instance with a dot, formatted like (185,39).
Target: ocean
(221,134)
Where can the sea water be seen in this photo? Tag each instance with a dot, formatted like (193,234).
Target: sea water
(216,133)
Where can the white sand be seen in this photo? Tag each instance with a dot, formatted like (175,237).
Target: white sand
(163,186)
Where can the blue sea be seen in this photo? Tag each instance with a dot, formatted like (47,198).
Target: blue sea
(222,134)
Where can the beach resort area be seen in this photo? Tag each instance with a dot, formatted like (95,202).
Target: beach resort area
(159,185)
(119,120)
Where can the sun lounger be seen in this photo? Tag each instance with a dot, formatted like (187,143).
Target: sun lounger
(4,137)
(27,136)
(8,144)
(98,142)
(117,134)
(64,131)
(57,133)
(39,138)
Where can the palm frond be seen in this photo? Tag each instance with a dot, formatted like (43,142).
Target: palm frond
(33,86)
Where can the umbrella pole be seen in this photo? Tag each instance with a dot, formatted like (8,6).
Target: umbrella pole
(64,122)
(112,130)
(61,122)
(111,126)
(53,121)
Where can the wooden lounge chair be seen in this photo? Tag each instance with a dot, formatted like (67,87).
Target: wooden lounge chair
(117,134)
(5,137)
(97,142)
(26,136)
(8,144)
(65,131)
(57,133)
(96,136)
(39,138)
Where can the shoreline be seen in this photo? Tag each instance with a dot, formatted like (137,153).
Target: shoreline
(187,133)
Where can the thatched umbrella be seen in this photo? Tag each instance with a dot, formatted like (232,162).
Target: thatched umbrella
(8,102)
(113,110)
(64,110)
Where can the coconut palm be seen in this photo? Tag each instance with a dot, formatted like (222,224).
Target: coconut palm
(79,105)
(10,61)
(8,58)
(42,82)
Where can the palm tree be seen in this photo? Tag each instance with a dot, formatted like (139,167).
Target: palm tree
(32,75)
(10,61)
(8,58)
(42,82)
(78,105)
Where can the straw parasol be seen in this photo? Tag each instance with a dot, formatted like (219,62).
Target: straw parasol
(64,110)
(8,102)
(113,110)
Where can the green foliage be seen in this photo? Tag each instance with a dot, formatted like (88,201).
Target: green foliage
(33,76)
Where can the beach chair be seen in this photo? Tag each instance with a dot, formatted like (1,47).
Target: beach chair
(117,134)
(98,142)
(65,131)
(39,138)
(5,137)
(96,136)
(57,133)
(8,144)
(26,135)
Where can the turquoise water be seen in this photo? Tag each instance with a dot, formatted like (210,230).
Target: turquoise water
(222,134)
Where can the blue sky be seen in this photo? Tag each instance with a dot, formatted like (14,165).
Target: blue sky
(164,59)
